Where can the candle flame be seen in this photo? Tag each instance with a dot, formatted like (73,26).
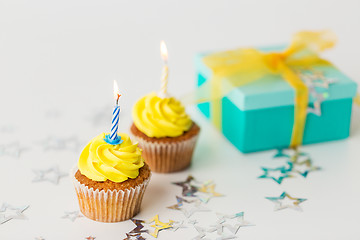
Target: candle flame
(163,51)
(116,91)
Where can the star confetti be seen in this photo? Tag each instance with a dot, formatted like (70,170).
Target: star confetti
(304,167)
(225,220)
(201,190)
(13,149)
(315,79)
(276,174)
(182,224)
(204,234)
(154,223)
(316,109)
(207,191)
(192,207)
(56,143)
(137,231)
(177,225)
(139,226)
(298,156)
(188,189)
(286,201)
(134,236)
(72,216)
(8,212)
(299,162)
(280,153)
(39,238)
(52,175)
(158,225)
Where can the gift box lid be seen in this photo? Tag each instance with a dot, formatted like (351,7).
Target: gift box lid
(273,91)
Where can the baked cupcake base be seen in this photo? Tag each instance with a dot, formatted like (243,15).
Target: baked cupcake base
(109,201)
(167,154)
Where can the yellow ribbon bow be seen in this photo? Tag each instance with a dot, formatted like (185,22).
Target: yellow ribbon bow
(243,66)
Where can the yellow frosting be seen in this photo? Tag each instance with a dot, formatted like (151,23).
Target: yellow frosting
(100,161)
(160,117)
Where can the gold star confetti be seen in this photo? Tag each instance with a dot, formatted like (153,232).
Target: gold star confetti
(159,225)
(208,191)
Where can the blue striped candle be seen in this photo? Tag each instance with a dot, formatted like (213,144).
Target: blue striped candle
(115,123)
(113,137)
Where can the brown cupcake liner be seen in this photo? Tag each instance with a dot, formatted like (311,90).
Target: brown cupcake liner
(167,157)
(109,205)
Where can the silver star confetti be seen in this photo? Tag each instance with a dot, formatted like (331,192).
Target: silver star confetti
(8,212)
(315,79)
(201,190)
(13,149)
(177,225)
(72,216)
(192,207)
(205,234)
(56,143)
(154,224)
(137,231)
(286,201)
(188,189)
(39,238)
(52,175)
(225,222)
(134,236)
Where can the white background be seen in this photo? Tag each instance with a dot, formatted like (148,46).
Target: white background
(57,63)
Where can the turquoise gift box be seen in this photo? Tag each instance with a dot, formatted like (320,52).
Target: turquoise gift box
(260,115)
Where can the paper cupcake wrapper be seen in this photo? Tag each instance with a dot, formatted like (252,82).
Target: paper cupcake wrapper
(110,205)
(169,156)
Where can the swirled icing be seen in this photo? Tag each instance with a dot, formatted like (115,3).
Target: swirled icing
(160,117)
(100,161)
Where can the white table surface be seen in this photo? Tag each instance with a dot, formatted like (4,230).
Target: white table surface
(57,63)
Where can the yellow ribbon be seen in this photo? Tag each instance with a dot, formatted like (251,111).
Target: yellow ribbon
(243,66)
(357,99)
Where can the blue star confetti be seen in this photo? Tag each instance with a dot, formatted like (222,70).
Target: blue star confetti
(276,174)
(280,153)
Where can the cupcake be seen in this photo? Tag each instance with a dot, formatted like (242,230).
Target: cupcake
(110,180)
(166,134)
